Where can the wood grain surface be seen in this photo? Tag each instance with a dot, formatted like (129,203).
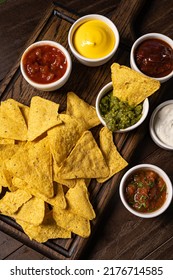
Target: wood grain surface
(116,233)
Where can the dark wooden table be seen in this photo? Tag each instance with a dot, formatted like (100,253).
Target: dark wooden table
(119,234)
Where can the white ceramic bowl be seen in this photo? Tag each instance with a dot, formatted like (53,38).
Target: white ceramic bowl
(107,88)
(161,125)
(161,173)
(159,36)
(53,85)
(89,61)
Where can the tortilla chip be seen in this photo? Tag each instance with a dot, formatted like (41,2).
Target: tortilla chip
(78,201)
(72,222)
(63,137)
(32,211)
(81,110)
(6,152)
(12,201)
(68,183)
(6,141)
(47,230)
(84,161)
(112,157)
(131,86)
(32,163)
(42,116)
(12,122)
(24,109)
(57,200)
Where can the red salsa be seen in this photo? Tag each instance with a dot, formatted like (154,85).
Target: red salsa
(45,64)
(154,58)
(145,191)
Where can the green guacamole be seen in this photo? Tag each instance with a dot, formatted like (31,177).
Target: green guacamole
(118,114)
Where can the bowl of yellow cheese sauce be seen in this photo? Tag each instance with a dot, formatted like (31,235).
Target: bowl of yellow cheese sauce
(93,39)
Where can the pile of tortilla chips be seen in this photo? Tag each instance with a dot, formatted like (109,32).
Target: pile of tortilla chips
(47,160)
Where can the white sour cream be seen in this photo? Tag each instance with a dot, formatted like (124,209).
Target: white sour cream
(164,124)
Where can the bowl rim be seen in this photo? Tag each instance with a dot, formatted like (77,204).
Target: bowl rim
(103,92)
(83,19)
(142,38)
(165,177)
(153,134)
(63,79)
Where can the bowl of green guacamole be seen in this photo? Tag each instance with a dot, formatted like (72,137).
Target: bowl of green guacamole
(117,115)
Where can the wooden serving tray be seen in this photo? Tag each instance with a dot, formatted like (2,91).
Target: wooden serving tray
(86,83)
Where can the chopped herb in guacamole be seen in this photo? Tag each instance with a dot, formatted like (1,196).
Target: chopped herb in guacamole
(118,114)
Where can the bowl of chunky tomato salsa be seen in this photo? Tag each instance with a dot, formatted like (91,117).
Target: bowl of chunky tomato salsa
(46,65)
(146,190)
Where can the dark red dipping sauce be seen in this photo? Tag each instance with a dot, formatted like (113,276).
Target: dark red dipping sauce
(154,58)
(145,191)
(44,64)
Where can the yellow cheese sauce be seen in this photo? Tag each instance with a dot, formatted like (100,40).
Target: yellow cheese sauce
(94,39)
(164,124)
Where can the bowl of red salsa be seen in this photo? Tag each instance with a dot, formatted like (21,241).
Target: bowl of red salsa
(152,55)
(146,190)
(46,65)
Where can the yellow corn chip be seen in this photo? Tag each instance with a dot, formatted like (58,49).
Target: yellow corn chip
(43,115)
(12,201)
(81,110)
(84,161)
(57,200)
(112,157)
(33,164)
(33,211)
(6,152)
(47,230)
(6,141)
(72,222)
(78,201)
(12,122)
(131,86)
(24,109)
(63,137)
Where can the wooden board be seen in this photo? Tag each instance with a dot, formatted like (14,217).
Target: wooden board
(86,82)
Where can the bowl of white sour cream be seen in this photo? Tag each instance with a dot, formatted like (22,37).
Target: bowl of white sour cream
(161,125)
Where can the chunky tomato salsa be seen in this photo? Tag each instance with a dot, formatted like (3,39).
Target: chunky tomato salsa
(145,191)
(45,64)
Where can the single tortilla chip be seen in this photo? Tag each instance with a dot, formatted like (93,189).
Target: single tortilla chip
(12,201)
(112,157)
(6,152)
(57,200)
(24,110)
(63,137)
(70,183)
(131,86)
(33,211)
(78,201)
(32,163)
(6,141)
(43,115)
(47,230)
(85,160)
(81,110)
(72,222)
(12,122)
